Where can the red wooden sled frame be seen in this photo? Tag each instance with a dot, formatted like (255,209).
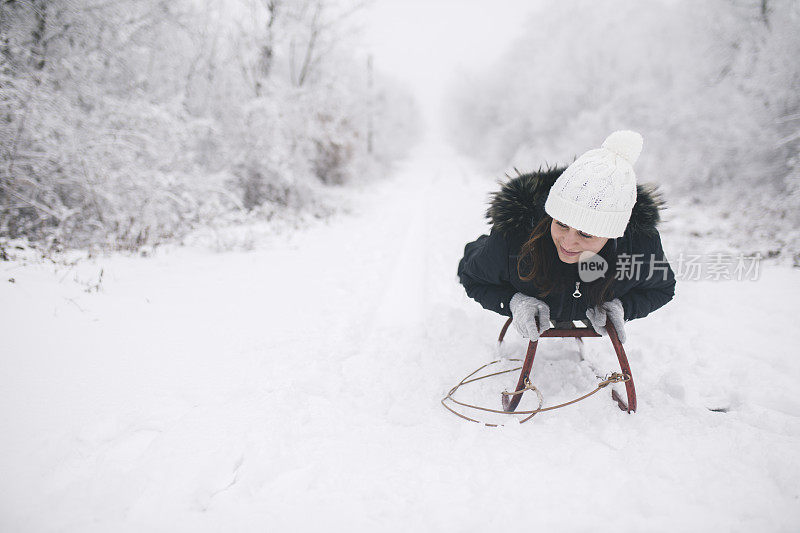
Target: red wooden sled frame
(510,402)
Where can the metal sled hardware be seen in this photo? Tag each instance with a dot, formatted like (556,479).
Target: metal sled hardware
(510,400)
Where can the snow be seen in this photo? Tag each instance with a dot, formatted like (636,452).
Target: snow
(295,386)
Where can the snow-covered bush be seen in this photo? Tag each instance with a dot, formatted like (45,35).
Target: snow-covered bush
(711,85)
(131,122)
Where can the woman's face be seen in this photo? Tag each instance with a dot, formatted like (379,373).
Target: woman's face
(569,239)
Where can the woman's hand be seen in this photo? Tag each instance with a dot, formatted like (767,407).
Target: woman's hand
(525,310)
(599,315)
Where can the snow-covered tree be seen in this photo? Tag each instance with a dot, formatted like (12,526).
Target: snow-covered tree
(132,121)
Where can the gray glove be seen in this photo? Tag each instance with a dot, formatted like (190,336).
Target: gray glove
(525,310)
(599,314)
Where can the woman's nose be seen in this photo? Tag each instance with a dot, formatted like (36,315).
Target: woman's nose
(572,239)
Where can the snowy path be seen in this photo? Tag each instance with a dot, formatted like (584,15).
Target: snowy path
(297,387)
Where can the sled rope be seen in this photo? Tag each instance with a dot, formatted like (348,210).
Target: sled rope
(614,377)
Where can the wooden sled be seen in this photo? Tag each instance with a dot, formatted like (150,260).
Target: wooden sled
(511,400)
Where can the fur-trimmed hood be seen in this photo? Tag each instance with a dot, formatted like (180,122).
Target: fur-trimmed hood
(519,203)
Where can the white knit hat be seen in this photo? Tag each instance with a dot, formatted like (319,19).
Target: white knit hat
(596,193)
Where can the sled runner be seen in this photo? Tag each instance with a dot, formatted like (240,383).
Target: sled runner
(511,400)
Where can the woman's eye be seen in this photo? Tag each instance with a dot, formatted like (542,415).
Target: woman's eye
(585,236)
(562,225)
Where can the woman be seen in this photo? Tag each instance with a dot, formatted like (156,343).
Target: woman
(552,233)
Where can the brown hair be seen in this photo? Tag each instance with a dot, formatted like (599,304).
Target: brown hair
(539,258)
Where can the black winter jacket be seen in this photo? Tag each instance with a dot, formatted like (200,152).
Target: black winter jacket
(488,270)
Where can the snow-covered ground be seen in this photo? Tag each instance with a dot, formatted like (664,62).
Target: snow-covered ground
(296,387)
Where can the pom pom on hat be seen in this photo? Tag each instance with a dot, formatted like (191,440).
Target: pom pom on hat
(626,144)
